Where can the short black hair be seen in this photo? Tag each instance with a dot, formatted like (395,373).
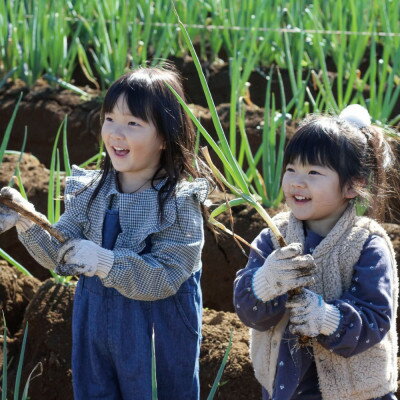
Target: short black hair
(360,156)
(332,143)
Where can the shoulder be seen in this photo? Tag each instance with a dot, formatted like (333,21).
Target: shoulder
(373,229)
(378,248)
(375,247)
(183,204)
(197,189)
(79,179)
(370,225)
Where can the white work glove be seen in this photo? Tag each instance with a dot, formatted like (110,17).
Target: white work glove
(283,270)
(10,218)
(311,316)
(78,256)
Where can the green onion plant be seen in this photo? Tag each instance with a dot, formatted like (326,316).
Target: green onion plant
(4,375)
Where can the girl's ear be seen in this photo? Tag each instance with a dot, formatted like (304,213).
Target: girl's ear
(350,191)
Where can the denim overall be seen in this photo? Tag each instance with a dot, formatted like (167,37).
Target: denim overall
(111,352)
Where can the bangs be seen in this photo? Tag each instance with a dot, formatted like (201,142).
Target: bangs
(315,146)
(138,95)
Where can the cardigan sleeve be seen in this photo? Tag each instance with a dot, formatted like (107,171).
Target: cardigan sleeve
(251,310)
(367,307)
(175,254)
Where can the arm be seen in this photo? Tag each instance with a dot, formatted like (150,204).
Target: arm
(42,246)
(366,308)
(39,243)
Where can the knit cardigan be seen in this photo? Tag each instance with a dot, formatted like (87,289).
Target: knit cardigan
(370,374)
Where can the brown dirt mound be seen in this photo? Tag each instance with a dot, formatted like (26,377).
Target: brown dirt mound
(42,110)
(35,178)
(238,381)
(49,342)
(16,291)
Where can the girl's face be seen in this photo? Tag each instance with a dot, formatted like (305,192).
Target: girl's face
(314,195)
(133,145)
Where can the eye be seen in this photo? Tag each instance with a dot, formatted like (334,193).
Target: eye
(109,119)
(313,172)
(133,123)
(289,169)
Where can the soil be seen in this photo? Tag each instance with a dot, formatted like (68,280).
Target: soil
(35,178)
(238,381)
(16,291)
(48,317)
(42,109)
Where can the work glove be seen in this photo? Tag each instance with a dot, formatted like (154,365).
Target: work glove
(311,316)
(10,218)
(78,256)
(283,270)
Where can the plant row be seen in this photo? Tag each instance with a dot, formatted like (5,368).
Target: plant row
(360,38)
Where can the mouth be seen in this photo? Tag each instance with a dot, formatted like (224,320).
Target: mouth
(120,151)
(301,199)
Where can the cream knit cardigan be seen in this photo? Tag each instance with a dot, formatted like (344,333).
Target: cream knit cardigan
(370,374)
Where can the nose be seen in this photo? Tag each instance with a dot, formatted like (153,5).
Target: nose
(298,181)
(115,131)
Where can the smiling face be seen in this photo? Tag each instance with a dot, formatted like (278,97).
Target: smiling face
(314,195)
(133,145)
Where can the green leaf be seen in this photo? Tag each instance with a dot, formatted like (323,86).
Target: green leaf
(221,369)
(7,133)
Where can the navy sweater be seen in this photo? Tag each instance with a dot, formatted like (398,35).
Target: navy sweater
(366,315)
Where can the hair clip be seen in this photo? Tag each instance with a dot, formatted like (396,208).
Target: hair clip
(356,115)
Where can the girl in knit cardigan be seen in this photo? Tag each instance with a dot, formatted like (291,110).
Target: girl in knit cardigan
(344,263)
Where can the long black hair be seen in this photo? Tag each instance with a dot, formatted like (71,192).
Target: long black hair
(149,98)
(361,156)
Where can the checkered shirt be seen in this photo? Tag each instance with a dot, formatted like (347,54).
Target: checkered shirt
(176,241)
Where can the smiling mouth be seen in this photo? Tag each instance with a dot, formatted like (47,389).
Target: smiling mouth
(120,152)
(301,199)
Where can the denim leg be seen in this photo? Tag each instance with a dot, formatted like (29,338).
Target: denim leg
(130,345)
(177,326)
(93,374)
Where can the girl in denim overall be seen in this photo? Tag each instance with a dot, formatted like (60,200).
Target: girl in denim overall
(344,263)
(135,233)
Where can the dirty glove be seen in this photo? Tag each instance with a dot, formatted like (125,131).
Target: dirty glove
(311,316)
(10,218)
(78,256)
(284,269)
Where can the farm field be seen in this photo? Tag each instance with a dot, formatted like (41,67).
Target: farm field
(265,72)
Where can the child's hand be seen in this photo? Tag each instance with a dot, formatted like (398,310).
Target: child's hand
(10,218)
(284,269)
(79,256)
(311,316)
